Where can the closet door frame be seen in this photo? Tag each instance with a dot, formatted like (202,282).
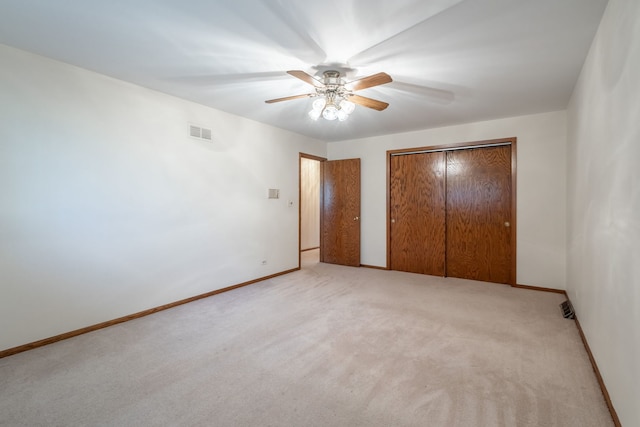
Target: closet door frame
(460,146)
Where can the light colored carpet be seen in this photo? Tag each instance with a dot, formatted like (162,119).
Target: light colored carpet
(325,346)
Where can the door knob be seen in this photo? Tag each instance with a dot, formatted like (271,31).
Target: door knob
(393,220)
(506,224)
(356,218)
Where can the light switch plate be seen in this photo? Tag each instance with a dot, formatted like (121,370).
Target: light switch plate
(274,193)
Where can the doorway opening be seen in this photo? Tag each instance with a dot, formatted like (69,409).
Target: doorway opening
(310,209)
(329,215)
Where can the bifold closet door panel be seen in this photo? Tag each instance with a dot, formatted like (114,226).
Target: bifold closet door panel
(479,214)
(417,201)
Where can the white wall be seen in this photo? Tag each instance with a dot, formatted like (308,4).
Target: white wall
(108,208)
(541,192)
(309,203)
(604,204)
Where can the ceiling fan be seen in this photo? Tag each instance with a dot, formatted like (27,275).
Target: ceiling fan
(336,98)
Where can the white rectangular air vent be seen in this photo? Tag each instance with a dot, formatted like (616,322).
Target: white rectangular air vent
(195,131)
(200,132)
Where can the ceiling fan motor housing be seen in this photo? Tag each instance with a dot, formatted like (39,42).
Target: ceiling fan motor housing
(333,87)
(332,78)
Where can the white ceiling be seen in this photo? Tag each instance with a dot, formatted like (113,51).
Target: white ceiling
(452,61)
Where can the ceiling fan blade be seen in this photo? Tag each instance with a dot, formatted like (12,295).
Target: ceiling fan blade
(365,82)
(289,98)
(427,93)
(307,78)
(368,102)
(224,79)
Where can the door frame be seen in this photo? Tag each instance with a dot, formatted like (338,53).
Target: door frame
(300,157)
(461,146)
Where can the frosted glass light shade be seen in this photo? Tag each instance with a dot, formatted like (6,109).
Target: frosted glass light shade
(319,104)
(315,114)
(347,106)
(330,112)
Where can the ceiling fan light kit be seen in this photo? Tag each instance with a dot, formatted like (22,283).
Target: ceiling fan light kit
(336,98)
(331,107)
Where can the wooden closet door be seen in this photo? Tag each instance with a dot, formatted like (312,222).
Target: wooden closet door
(479,214)
(417,229)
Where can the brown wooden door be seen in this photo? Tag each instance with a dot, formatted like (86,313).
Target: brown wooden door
(340,216)
(417,201)
(479,214)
